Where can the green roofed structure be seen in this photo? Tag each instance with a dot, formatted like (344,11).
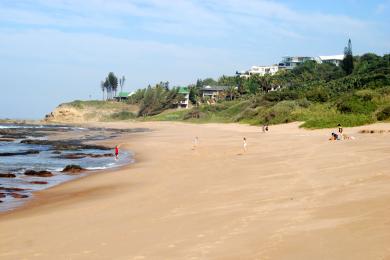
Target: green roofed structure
(185,91)
(122,96)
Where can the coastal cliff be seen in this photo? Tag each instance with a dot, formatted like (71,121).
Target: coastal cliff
(91,111)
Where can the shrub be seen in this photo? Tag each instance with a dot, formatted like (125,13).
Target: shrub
(384,114)
(354,104)
(317,95)
(123,115)
(366,94)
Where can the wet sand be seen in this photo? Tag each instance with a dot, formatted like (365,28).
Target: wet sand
(292,195)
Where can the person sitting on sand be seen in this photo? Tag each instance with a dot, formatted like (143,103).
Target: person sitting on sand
(334,137)
(116,152)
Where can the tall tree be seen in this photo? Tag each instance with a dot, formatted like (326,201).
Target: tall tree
(113,80)
(122,82)
(347,63)
(102,87)
(107,86)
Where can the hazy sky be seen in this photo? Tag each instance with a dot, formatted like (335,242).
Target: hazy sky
(53,51)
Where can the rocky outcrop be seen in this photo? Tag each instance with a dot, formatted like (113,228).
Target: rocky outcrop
(11,189)
(20,153)
(72,168)
(7,175)
(65,144)
(6,139)
(83,155)
(38,182)
(89,111)
(64,113)
(13,192)
(18,195)
(38,173)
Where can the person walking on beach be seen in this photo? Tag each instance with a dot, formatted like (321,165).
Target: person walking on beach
(244,144)
(195,142)
(116,152)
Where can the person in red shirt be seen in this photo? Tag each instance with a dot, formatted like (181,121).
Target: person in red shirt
(116,152)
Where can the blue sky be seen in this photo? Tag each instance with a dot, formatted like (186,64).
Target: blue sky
(53,51)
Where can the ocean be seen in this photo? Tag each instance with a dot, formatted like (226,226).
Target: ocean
(42,156)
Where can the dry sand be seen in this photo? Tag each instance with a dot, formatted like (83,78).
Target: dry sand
(292,195)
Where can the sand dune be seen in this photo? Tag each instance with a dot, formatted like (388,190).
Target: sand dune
(292,195)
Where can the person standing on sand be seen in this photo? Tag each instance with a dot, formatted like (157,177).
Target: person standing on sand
(244,144)
(116,152)
(195,143)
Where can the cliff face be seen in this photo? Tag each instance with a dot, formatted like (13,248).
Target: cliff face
(89,111)
(64,113)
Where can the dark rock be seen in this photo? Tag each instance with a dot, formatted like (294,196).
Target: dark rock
(7,175)
(18,196)
(83,155)
(56,152)
(6,139)
(11,189)
(2,195)
(38,173)
(72,168)
(20,153)
(65,144)
(38,182)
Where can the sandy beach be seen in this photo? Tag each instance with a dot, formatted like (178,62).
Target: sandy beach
(292,195)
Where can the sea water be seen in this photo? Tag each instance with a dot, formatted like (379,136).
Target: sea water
(48,160)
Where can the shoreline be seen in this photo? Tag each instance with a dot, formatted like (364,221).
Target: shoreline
(291,188)
(68,136)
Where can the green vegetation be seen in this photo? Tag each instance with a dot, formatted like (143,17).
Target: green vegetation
(122,115)
(320,95)
(154,100)
(96,104)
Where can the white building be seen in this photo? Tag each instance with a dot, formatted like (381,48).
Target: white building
(290,62)
(334,59)
(260,70)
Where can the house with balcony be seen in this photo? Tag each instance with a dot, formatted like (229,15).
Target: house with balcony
(290,62)
(332,59)
(214,92)
(260,70)
(186,94)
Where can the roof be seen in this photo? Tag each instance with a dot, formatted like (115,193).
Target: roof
(123,94)
(183,90)
(215,88)
(332,57)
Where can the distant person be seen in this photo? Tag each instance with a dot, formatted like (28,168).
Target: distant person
(244,144)
(266,127)
(340,128)
(116,152)
(195,142)
(334,137)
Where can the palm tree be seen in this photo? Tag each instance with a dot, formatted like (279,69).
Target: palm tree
(122,82)
(107,86)
(113,80)
(231,92)
(102,86)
